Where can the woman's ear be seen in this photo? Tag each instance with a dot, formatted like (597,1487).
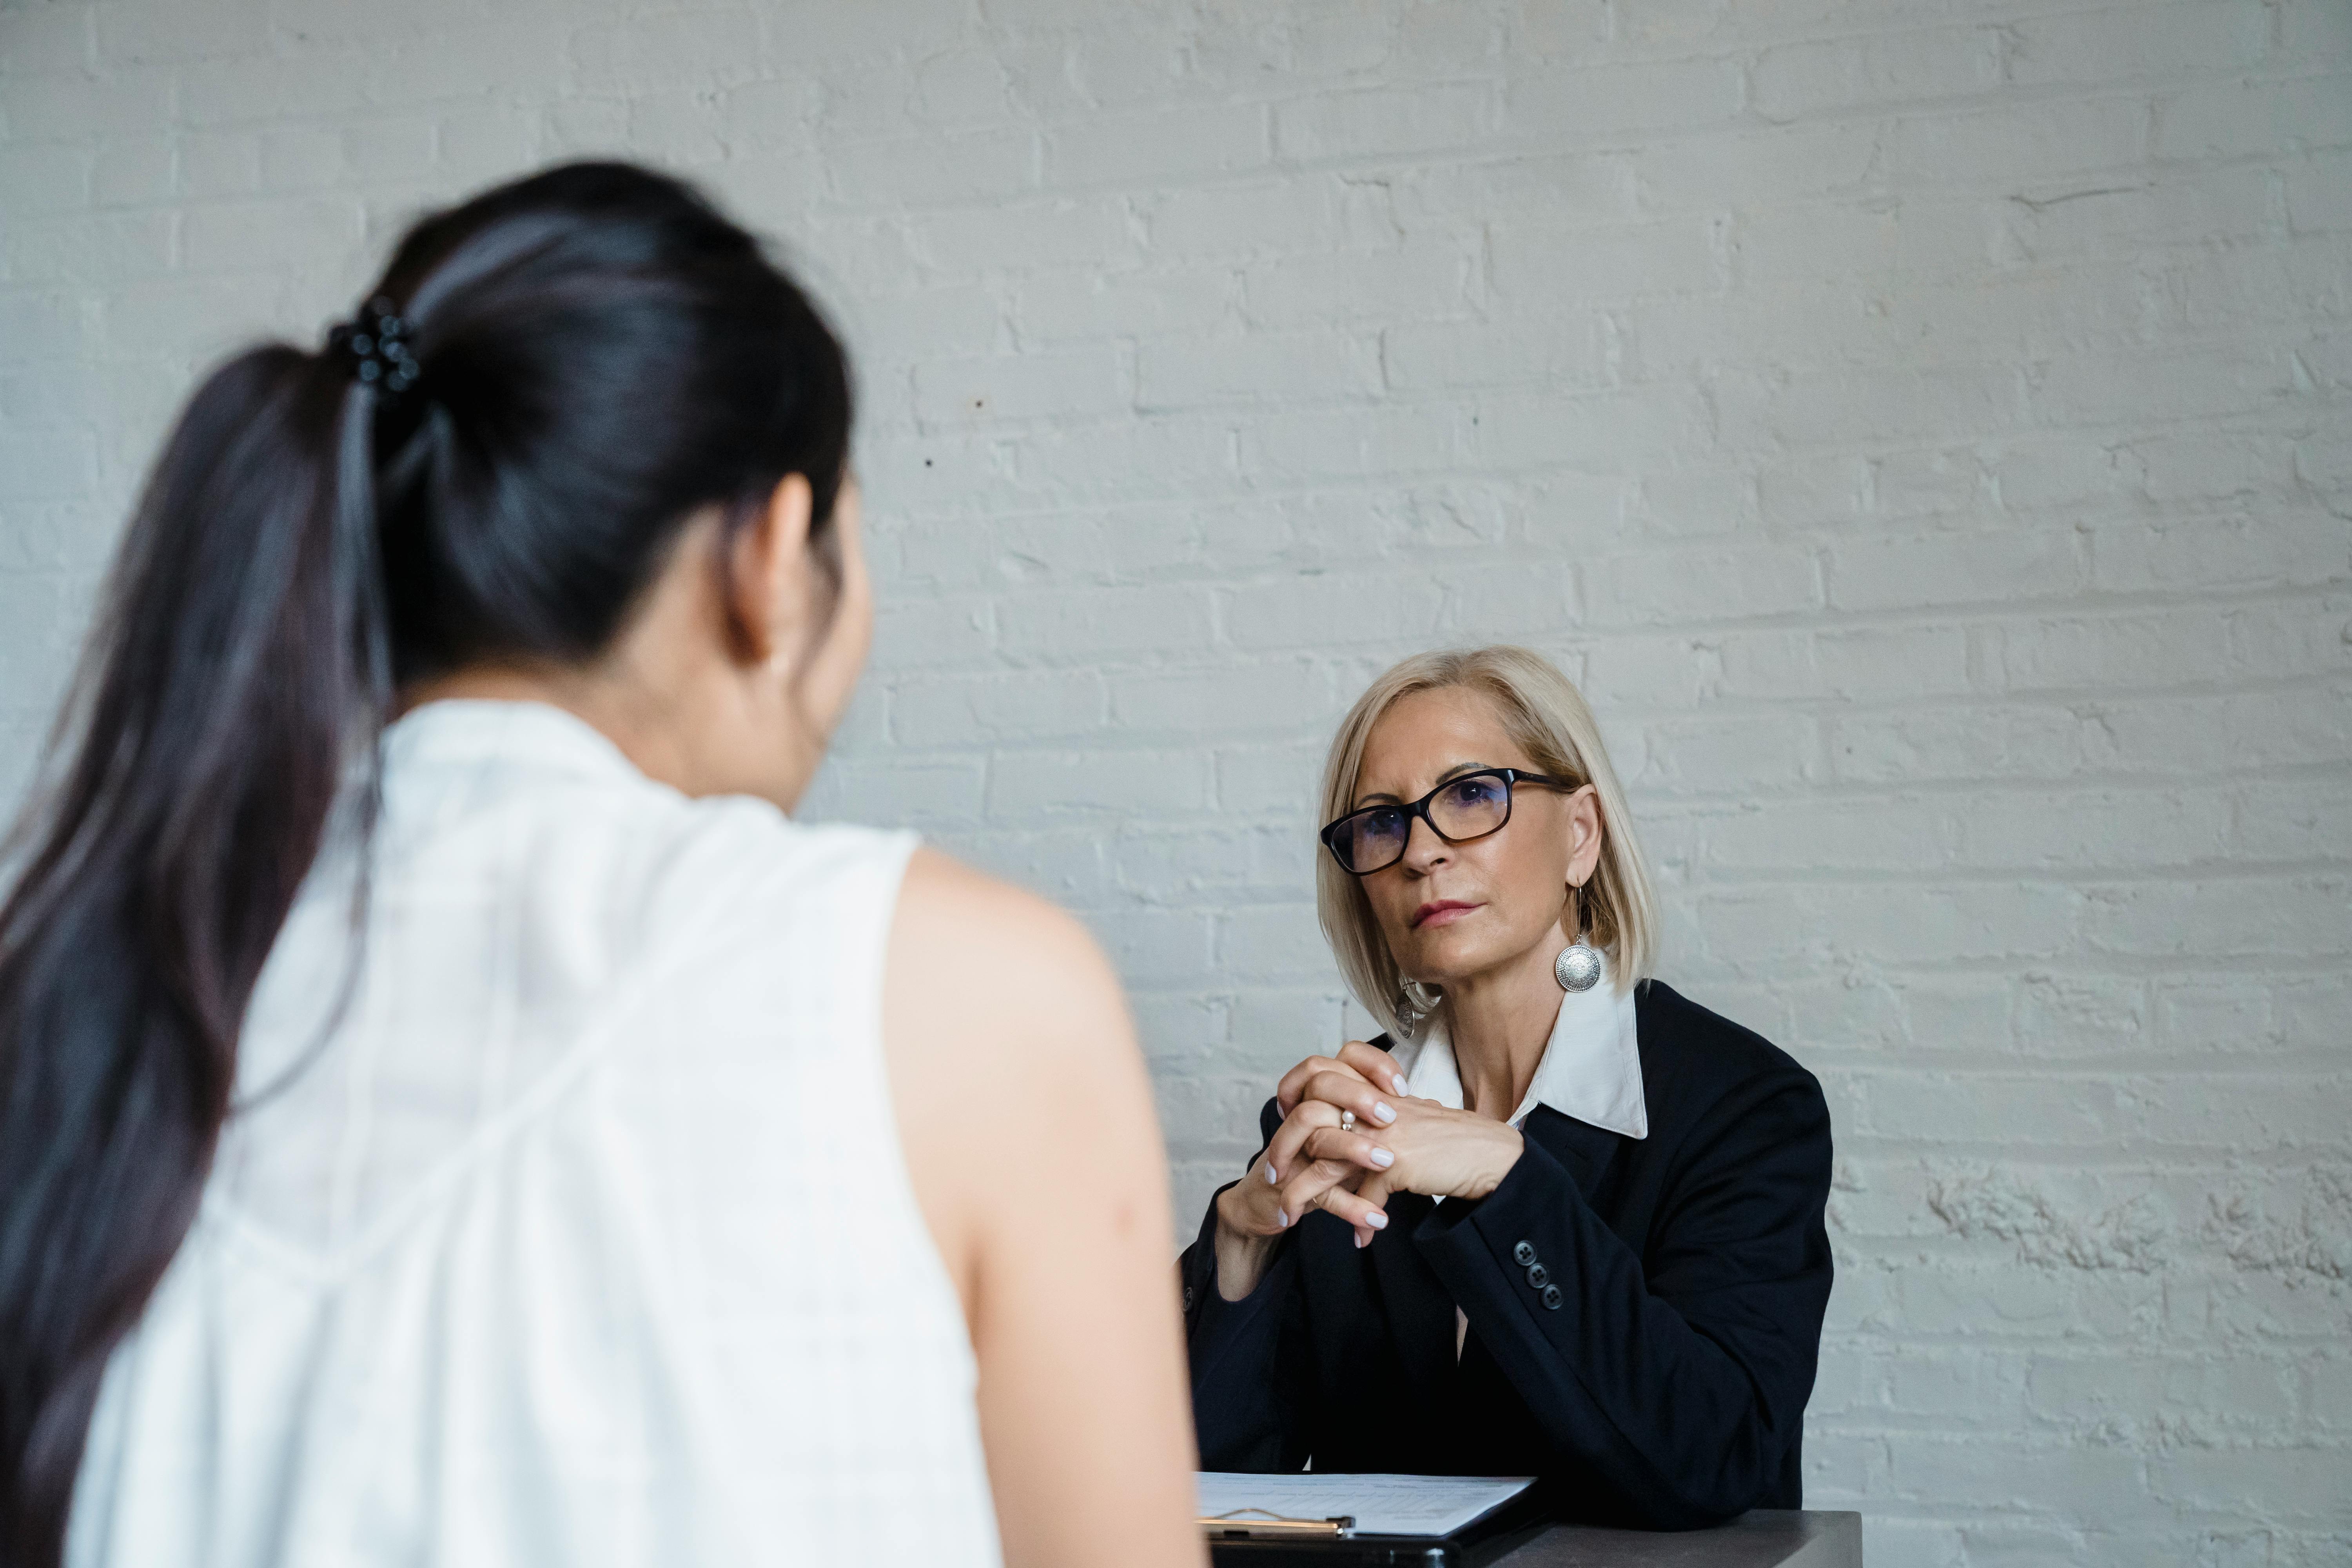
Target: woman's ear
(1583,834)
(769,575)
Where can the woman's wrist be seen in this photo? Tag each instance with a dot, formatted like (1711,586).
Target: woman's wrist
(1249,1210)
(1242,1250)
(1509,1145)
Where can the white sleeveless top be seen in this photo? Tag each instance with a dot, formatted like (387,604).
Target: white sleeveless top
(582,1235)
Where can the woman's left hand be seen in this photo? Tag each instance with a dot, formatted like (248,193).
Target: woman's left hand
(1439,1152)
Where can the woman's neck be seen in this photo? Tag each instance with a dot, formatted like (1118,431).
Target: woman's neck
(1500,1023)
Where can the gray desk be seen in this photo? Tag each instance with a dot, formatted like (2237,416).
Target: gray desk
(1763,1538)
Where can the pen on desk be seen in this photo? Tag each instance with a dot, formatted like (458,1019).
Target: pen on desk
(1231,1523)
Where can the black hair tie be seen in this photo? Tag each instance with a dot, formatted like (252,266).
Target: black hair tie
(377,341)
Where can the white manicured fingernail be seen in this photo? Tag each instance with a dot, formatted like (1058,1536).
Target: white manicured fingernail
(1377,1220)
(1359,1242)
(1400,1088)
(1284,1216)
(1383,1159)
(1268,1168)
(1381,1113)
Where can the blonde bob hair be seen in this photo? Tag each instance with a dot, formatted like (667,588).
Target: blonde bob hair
(1546,716)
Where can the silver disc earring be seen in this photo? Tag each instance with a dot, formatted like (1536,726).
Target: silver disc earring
(1577,968)
(1417,998)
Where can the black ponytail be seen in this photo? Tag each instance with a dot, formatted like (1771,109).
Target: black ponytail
(598,356)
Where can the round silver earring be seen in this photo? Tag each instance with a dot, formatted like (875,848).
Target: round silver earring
(1577,967)
(1419,999)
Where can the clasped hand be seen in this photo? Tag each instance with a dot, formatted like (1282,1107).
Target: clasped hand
(1399,1145)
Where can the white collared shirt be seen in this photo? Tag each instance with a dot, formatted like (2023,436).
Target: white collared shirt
(1591,1071)
(1591,1065)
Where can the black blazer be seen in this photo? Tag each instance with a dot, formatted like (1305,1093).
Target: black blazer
(1644,1316)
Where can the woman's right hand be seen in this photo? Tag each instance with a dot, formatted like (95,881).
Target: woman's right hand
(1311,1162)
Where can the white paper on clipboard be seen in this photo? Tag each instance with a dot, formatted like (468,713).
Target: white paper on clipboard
(1382,1505)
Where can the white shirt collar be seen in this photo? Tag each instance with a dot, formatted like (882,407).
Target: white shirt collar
(1591,1065)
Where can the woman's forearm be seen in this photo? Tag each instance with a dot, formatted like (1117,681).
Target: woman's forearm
(1681,1376)
(1242,1257)
(1240,1301)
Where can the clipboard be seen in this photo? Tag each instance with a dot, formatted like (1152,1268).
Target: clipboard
(1265,1540)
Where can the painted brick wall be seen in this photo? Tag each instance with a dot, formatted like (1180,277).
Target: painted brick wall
(1922,428)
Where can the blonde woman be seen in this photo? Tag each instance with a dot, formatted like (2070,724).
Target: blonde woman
(1557,1221)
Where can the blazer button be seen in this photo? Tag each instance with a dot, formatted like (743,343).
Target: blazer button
(1538,1276)
(1523,1253)
(1188,1297)
(1552,1298)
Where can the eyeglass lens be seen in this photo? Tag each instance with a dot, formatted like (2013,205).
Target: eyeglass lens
(1467,809)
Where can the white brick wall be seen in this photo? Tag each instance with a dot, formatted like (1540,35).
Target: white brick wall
(1923,429)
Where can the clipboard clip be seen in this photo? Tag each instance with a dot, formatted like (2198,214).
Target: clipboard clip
(1235,1524)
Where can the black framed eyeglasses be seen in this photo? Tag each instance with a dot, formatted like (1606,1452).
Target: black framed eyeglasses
(1470,805)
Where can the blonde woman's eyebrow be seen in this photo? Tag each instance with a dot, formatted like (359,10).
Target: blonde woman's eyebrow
(1455,771)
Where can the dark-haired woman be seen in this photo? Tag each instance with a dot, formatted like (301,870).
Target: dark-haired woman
(449,1112)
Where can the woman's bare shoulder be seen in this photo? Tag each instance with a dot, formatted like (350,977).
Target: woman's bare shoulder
(1006,1035)
(996,965)
(986,918)
(998,996)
